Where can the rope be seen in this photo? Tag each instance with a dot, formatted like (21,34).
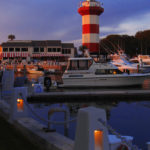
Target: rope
(48,121)
(123,139)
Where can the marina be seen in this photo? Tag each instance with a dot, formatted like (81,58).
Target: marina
(73,92)
(112,100)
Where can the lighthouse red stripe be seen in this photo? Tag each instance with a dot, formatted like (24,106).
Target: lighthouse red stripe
(93,47)
(90,10)
(90,28)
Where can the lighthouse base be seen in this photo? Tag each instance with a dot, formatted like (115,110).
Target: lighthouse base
(92,47)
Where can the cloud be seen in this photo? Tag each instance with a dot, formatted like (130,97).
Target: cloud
(128,26)
(76,42)
(59,20)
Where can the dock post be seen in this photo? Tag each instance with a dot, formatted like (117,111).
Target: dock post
(18,108)
(7,85)
(90,133)
(148,145)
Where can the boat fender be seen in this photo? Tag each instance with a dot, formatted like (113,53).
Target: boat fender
(123,147)
(47,82)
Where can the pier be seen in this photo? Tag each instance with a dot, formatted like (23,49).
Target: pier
(89,96)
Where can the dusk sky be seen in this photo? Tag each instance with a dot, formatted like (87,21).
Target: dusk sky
(59,20)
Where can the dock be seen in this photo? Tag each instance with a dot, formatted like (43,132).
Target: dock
(89,96)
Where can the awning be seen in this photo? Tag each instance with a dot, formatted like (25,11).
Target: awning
(36,55)
(15,54)
(51,55)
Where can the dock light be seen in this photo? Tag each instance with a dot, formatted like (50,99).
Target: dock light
(98,138)
(20,105)
(32,84)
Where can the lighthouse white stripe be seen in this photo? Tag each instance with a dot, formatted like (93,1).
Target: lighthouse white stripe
(90,19)
(90,38)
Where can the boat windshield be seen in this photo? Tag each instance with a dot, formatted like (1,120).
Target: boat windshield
(107,71)
(80,64)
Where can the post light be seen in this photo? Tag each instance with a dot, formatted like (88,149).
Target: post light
(20,105)
(98,138)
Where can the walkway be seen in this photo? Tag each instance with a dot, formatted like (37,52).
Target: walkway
(11,139)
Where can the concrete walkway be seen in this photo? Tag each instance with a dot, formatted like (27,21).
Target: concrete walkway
(11,139)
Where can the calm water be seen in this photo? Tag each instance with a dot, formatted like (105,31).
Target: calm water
(126,118)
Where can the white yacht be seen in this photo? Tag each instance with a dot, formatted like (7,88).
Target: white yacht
(123,63)
(85,72)
(143,60)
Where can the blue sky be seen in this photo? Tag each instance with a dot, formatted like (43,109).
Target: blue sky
(59,20)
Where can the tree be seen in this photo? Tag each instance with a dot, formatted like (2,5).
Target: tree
(143,38)
(11,37)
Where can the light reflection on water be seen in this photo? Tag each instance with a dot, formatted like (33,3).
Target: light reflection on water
(130,118)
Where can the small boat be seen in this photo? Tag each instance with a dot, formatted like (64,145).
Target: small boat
(85,72)
(36,70)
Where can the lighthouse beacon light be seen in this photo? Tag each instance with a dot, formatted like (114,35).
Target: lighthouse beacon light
(90,10)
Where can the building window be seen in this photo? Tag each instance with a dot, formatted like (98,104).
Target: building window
(49,49)
(11,49)
(66,51)
(54,49)
(24,49)
(63,51)
(58,49)
(41,49)
(5,49)
(36,49)
(17,49)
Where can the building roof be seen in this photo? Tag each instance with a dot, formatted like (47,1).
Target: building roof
(67,45)
(27,43)
(16,43)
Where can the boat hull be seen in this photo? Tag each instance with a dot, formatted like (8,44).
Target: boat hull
(110,81)
(35,72)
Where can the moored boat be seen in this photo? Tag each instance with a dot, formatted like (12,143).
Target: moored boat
(36,70)
(85,72)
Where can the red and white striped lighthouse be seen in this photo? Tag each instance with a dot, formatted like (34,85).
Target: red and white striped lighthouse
(90,11)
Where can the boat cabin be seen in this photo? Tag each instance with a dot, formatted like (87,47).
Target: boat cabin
(79,63)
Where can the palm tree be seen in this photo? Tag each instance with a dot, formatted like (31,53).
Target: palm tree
(11,37)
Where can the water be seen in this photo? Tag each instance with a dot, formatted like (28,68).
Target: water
(127,118)
(130,118)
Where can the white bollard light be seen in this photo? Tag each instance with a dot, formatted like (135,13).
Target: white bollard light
(90,133)
(18,107)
